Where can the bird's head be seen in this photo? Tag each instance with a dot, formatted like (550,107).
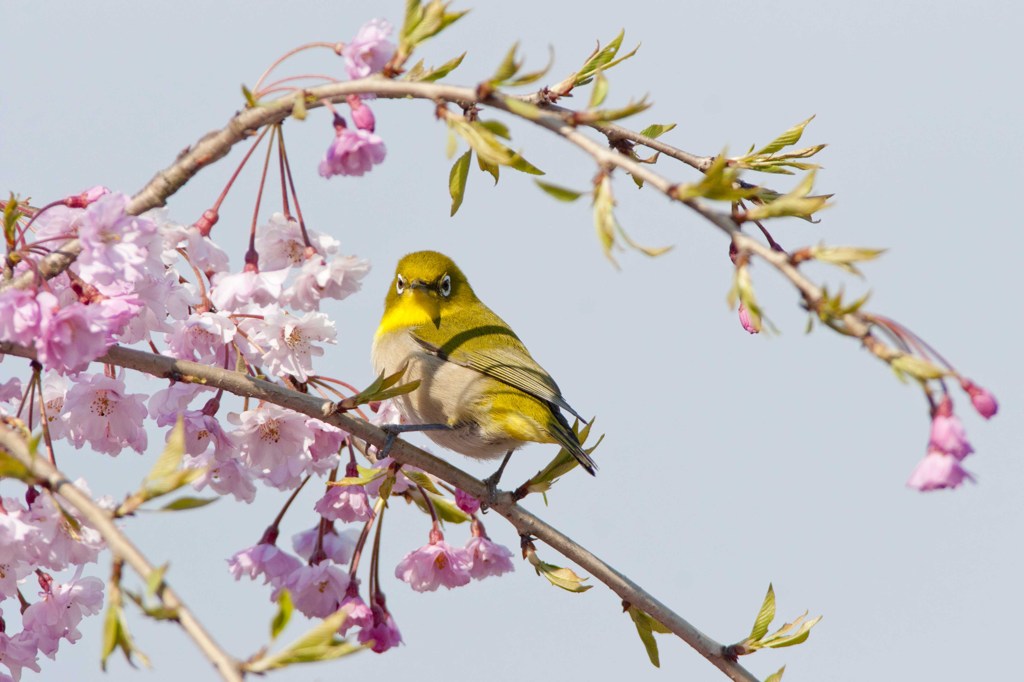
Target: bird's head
(426,283)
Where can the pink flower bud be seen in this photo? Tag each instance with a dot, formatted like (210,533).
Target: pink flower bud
(362,116)
(984,402)
(466,502)
(750,322)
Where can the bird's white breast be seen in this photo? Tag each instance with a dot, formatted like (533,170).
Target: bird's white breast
(448,394)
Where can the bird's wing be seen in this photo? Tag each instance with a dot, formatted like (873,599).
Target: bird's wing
(509,363)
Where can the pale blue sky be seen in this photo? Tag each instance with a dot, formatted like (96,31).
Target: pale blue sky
(729,460)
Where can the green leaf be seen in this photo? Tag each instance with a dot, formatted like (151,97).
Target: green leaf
(366,475)
(497,127)
(602,59)
(429,76)
(382,388)
(508,67)
(299,108)
(155,580)
(765,616)
(919,368)
(527,110)
(321,643)
(533,76)
(285,607)
(720,183)
(169,461)
(776,676)
(795,203)
(604,217)
(445,509)
(116,636)
(560,193)
(184,503)
(656,130)
(786,139)
(250,101)
(844,256)
(599,92)
(13,468)
(487,167)
(422,480)
(643,628)
(487,147)
(606,115)
(457,180)
(565,578)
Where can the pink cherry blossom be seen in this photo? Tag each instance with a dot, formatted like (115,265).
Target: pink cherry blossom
(938,470)
(263,559)
(344,503)
(55,389)
(486,558)
(319,278)
(203,337)
(70,337)
(20,316)
(357,613)
(274,444)
(224,474)
(19,652)
(57,614)
(117,247)
(104,415)
(370,50)
(317,590)
(235,291)
(289,342)
(10,396)
(433,565)
(337,547)
(948,434)
(57,544)
(281,244)
(383,632)
(353,152)
(167,403)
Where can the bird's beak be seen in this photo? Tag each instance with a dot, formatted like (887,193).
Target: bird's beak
(425,297)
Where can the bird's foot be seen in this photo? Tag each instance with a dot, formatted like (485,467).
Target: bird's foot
(394,430)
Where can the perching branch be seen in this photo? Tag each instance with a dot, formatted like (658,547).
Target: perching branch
(120,546)
(523,521)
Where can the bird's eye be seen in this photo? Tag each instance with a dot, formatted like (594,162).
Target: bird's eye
(400,284)
(446,285)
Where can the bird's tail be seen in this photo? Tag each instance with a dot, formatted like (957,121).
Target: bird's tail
(567,438)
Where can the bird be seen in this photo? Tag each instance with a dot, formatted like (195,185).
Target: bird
(481,393)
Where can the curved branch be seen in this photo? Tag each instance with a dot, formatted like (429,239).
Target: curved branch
(47,475)
(524,521)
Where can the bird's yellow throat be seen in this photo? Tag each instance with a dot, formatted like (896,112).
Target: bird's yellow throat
(410,311)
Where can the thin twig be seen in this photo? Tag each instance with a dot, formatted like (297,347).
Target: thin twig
(523,520)
(120,546)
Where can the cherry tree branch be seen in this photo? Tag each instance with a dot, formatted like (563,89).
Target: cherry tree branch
(217,144)
(524,521)
(120,546)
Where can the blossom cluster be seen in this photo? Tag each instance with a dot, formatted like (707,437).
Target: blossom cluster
(38,539)
(948,444)
(315,574)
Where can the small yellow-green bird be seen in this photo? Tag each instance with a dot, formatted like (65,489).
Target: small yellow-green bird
(479,388)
